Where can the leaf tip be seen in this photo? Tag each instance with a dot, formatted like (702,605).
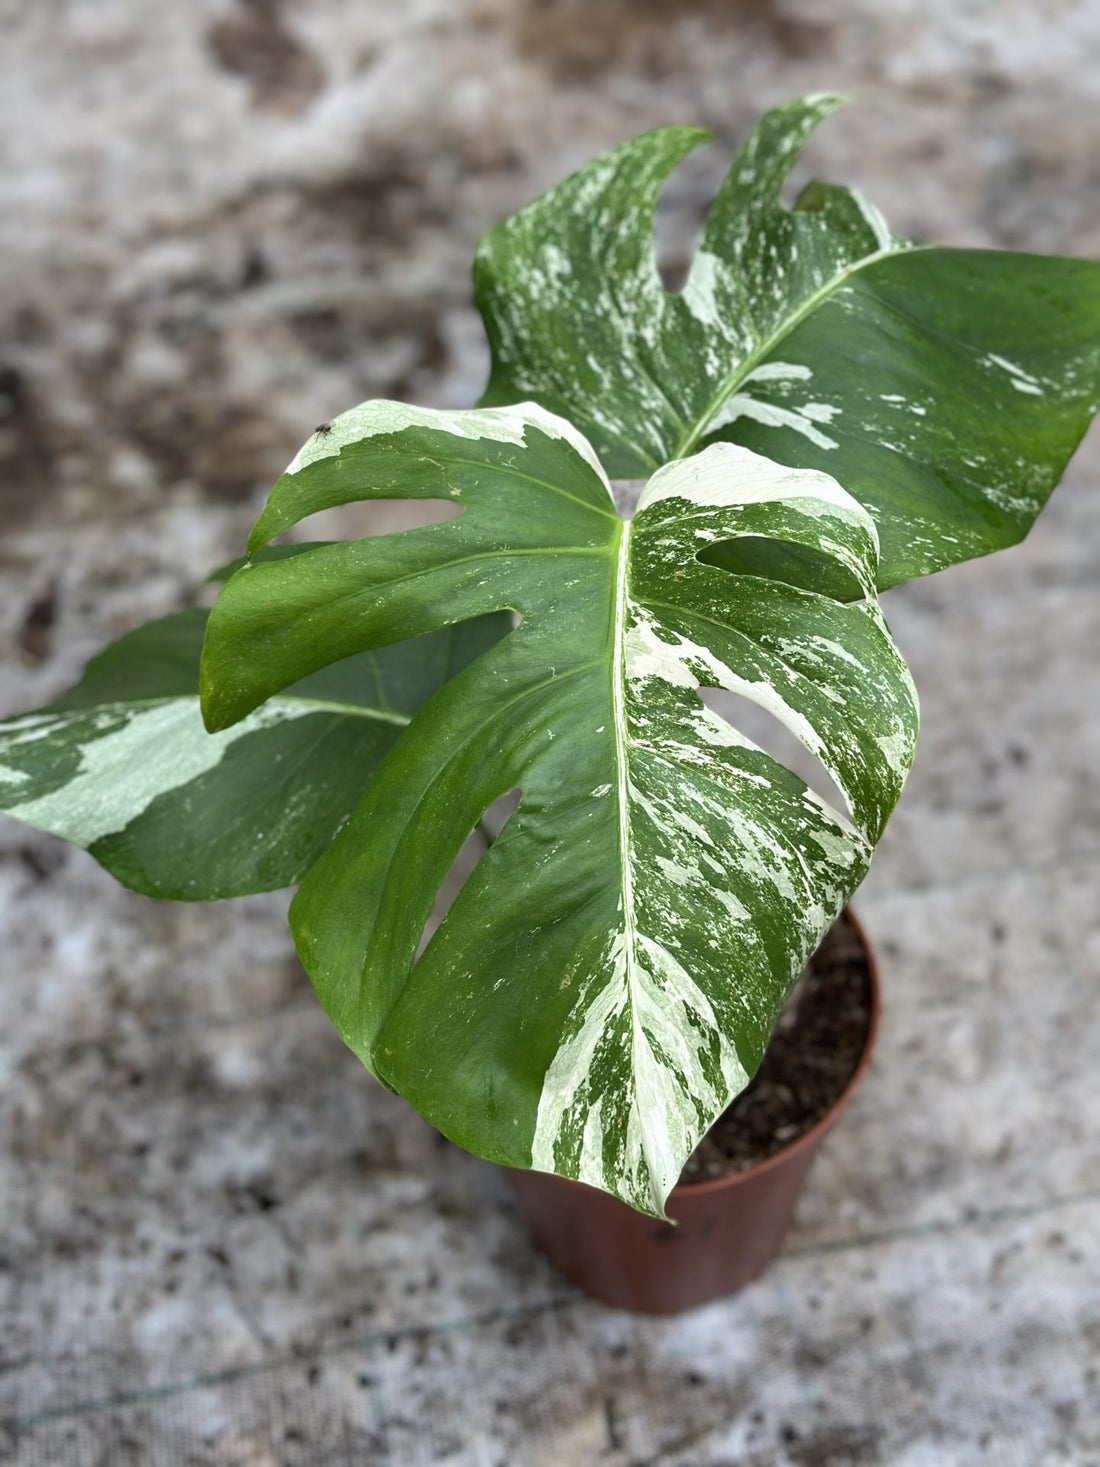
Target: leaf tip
(216,716)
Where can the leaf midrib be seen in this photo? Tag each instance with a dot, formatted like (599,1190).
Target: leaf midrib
(622,777)
(618,719)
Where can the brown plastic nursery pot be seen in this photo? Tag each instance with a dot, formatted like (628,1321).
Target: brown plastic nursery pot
(727,1229)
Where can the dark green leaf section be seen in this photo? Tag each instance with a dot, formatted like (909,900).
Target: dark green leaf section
(122,764)
(945,389)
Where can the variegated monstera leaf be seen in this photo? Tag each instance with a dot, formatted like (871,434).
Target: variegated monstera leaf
(122,765)
(944,388)
(607,978)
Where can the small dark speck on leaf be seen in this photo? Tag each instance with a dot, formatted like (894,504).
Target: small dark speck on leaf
(322,430)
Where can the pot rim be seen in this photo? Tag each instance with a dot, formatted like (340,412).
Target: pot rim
(818,1129)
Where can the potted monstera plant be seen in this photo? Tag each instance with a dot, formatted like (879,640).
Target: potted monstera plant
(822,412)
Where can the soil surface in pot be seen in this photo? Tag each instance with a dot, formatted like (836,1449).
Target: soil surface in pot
(810,1059)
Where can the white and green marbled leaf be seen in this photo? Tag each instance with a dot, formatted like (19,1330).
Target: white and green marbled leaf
(123,766)
(608,976)
(944,388)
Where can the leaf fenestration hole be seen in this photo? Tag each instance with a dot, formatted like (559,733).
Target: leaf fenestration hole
(462,867)
(783,560)
(366,518)
(682,206)
(769,734)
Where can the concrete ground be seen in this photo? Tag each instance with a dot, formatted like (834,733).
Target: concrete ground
(221,1243)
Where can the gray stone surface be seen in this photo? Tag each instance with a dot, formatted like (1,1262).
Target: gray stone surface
(220,1243)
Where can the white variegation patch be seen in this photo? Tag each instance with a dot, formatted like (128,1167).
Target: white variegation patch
(498,425)
(884,238)
(1021,380)
(700,291)
(649,997)
(771,415)
(779,372)
(128,756)
(729,475)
